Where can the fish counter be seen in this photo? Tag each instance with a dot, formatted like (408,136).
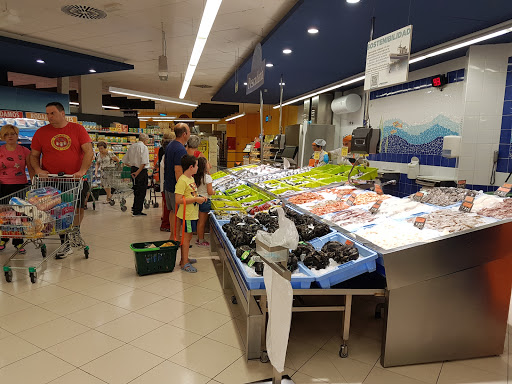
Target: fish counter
(443,252)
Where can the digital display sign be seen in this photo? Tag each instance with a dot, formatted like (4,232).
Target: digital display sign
(439,81)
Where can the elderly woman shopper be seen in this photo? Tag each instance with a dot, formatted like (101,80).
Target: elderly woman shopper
(192,145)
(14,159)
(105,163)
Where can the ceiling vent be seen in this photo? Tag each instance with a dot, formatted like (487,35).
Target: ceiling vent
(204,86)
(84,12)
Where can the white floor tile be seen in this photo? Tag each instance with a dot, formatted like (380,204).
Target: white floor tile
(53,332)
(201,321)
(298,353)
(10,304)
(77,377)
(69,304)
(228,334)
(44,294)
(454,372)
(55,276)
(97,314)
(166,341)
(129,327)
(14,348)
(243,371)
(207,357)
(135,299)
(39,368)
(360,348)
(223,305)
(382,376)
(166,310)
(107,291)
(215,284)
(300,378)
(20,286)
(166,287)
(122,365)
(329,366)
(81,283)
(163,373)
(428,373)
(196,295)
(4,333)
(25,319)
(84,348)
(494,364)
(191,278)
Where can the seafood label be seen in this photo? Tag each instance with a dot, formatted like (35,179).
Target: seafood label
(351,200)
(420,222)
(503,190)
(418,196)
(466,206)
(378,189)
(375,207)
(349,243)
(461,184)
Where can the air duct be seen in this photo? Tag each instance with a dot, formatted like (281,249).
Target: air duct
(346,104)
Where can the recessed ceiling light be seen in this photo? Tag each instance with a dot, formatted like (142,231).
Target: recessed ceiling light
(287,51)
(73,103)
(353,1)
(270,65)
(282,83)
(312,30)
(40,61)
(245,83)
(92,70)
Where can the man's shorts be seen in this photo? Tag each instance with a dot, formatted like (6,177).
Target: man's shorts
(190,225)
(83,196)
(170,201)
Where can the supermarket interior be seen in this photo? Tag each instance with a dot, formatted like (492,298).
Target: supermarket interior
(350,217)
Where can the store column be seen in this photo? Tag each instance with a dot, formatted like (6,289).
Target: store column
(90,95)
(63,85)
(3,78)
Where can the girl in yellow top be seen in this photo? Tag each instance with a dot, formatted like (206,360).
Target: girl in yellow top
(186,188)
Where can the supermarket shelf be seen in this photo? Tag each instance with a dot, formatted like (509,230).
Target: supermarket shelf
(120,133)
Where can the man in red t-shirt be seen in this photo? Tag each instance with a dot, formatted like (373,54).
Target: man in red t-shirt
(66,148)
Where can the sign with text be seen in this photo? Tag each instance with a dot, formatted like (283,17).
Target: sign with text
(375,207)
(351,200)
(461,184)
(11,115)
(387,59)
(256,77)
(420,222)
(36,116)
(467,204)
(418,196)
(503,190)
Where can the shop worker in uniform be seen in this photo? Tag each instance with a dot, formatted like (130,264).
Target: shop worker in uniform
(319,156)
(66,148)
(173,170)
(137,157)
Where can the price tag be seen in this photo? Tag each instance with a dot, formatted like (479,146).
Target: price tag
(420,222)
(344,151)
(418,196)
(503,190)
(349,243)
(378,189)
(375,207)
(461,184)
(351,200)
(467,204)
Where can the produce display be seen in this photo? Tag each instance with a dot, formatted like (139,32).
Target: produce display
(501,210)
(447,221)
(444,196)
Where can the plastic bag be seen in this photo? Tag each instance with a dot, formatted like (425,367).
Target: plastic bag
(285,236)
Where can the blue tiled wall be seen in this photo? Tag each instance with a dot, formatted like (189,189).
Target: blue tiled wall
(505,150)
(427,159)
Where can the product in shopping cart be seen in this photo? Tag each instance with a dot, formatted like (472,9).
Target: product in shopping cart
(44,198)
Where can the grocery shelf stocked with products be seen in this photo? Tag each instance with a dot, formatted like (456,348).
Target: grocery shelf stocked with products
(433,254)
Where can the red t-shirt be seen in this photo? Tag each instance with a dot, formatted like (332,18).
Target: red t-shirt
(61,147)
(13,164)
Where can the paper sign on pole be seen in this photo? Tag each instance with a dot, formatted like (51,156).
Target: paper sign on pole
(387,59)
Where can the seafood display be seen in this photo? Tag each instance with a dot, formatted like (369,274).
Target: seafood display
(305,197)
(501,210)
(326,207)
(447,221)
(352,216)
(444,196)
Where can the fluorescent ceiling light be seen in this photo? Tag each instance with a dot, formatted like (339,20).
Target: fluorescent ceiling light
(92,70)
(461,45)
(109,107)
(209,15)
(73,103)
(348,82)
(198,120)
(312,30)
(245,83)
(353,1)
(236,117)
(151,96)
(40,61)
(287,51)
(158,117)
(270,65)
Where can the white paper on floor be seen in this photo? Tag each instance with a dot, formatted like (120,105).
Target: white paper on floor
(279,298)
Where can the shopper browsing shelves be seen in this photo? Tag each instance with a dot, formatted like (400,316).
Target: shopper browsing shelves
(193,145)
(137,157)
(105,163)
(188,212)
(204,188)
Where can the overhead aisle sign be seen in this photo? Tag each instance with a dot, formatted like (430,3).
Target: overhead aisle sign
(387,59)
(256,77)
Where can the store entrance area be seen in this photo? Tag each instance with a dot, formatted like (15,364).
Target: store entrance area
(96,321)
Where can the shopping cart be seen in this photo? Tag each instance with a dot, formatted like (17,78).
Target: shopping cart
(45,208)
(153,187)
(120,179)
(94,183)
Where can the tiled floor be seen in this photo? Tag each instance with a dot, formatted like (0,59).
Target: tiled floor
(95,321)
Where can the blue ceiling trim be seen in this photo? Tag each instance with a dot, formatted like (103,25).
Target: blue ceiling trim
(338,51)
(20,56)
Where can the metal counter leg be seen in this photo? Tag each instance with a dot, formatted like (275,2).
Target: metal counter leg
(254,326)
(346,326)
